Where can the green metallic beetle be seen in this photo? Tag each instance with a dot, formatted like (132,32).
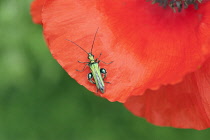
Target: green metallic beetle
(96,74)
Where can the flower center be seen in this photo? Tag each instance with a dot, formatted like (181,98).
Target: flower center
(177,5)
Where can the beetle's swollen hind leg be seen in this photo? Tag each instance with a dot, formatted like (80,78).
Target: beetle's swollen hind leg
(90,77)
(83,68)
(103,71)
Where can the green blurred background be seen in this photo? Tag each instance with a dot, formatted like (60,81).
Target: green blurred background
(39,101)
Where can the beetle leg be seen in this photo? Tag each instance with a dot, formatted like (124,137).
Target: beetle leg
(90,77)
(82,62)
(103,71)
(99,56)
(83,68)
(105,62)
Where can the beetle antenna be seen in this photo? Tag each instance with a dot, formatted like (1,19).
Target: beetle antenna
(77,45)
(94,40)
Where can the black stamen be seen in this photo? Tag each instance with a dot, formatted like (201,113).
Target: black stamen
(177,5)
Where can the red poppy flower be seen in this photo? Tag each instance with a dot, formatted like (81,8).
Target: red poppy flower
(161,57)
(36,11)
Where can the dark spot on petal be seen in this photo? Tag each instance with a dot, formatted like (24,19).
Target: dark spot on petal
(177,5)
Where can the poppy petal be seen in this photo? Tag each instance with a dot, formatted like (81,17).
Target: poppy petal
(184,105)
(36,11)
(150,46)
